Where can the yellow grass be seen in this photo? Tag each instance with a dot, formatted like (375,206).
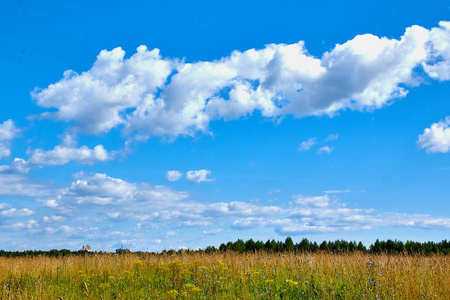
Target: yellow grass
(227,276)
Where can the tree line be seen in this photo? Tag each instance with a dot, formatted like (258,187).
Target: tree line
(338,246)
(272,246)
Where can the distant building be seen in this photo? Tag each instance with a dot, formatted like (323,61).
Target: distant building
(121,250)
(86,248)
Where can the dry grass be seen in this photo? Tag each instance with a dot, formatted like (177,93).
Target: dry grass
(227,276)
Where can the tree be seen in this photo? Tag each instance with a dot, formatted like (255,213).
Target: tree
(289,244)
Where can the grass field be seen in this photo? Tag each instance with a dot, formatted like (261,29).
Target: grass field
(227,275)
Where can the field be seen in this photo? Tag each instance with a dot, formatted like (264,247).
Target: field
(227,275)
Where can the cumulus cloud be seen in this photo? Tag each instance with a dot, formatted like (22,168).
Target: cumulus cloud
(18,165)
(62,155)
(150,95)
(306,145)
(14,212)
(164,209)
(66,152)
(8,131)
(108,207)
(438,66)
(325,149)
(103,190)
(173,175)
(59,155)
(315,201)
(437,137)
(317,214)
(199,176)
(94,99)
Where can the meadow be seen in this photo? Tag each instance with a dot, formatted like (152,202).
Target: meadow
(227,275)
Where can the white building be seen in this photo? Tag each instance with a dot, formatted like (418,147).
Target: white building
(86,248)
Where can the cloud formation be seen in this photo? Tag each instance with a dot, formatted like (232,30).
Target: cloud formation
(199,176)
(112,209)
(62,155)
(325,149)
(332,137)
(59,155)
(147,94)
(8,131)
(306,145)
(20,185)
(437,137)
(173,175)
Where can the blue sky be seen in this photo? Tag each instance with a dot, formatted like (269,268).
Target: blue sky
(188,124)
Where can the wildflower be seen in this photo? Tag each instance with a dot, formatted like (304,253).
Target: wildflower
(291,283)
(137,263)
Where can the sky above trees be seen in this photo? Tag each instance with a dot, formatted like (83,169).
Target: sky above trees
(175,124)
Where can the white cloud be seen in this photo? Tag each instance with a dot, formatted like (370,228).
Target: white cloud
(198,176)
(197,223)
(438,66)
(30,224)
(314,201)
(148,95)
(173,175)
(325,149)
(306,145)
(250,223)
(103,190)
(237,208)
(336,191)
(95,99)
(108,207)
(50,219)
(4,205)
(14,212)
(62,155)
(332,137)
(161,209)
(437,137)
(18,165)
(313,215)
(8,131)
(19,185)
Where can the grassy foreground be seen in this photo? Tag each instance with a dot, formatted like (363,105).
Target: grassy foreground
(227,275)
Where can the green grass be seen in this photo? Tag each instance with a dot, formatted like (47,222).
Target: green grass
(226,276)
